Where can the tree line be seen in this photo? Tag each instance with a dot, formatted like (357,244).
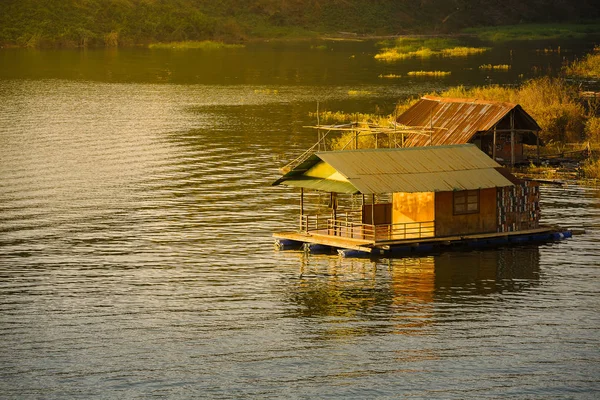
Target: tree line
(82,23)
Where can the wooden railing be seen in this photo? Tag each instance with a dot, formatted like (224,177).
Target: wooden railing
(348,225)
(408,230)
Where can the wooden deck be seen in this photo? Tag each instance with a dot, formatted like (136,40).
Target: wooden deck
(327,240)
(368,246)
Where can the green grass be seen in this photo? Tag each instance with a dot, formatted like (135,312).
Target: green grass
(534,32)
(202,45)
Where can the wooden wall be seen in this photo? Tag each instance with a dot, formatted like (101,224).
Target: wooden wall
(448,224)
(383,214)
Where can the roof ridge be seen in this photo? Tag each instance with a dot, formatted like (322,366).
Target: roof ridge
(415,148)
(467,100)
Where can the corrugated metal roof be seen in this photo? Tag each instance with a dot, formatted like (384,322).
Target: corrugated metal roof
(416,169)
(456,121)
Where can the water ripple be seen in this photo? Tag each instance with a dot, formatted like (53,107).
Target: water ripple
(136,260)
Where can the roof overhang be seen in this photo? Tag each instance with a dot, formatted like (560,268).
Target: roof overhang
(416,169)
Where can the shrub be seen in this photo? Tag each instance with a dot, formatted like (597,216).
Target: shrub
(591,168)
(589,67)
(592,130)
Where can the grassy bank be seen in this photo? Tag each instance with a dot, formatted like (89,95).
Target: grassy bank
(203,45)
(534,31)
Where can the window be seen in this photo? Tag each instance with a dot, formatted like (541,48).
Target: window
(466,202)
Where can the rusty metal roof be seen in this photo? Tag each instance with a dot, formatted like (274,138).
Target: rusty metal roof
(456,121)
(415,169)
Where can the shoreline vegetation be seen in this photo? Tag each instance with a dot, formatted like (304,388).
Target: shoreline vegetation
(202,45)
(127,23)
(394,46)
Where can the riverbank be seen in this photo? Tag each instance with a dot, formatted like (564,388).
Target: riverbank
(101,23)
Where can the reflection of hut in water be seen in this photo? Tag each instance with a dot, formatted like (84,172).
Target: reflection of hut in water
(461,275)
(402,296)
(499,129)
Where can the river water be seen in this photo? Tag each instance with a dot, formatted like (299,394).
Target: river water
(136,257)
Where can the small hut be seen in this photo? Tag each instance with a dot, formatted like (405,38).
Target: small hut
(381,198)
(498,129)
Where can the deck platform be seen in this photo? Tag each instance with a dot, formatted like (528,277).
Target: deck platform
(352,246)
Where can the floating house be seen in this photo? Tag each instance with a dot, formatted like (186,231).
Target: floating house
(418,198)
(499,129)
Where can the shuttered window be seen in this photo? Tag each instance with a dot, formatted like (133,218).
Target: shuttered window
(466,202)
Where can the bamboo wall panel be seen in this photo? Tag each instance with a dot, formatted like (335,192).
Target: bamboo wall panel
(518,207)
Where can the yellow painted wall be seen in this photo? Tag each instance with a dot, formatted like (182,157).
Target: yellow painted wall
(413,207)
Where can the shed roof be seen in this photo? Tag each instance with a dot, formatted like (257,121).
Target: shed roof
(457,120)
(415,169)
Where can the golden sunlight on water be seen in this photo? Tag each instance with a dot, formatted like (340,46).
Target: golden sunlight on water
(136,260)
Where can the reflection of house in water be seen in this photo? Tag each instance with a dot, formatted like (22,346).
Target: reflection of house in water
(399,296)
(463,274)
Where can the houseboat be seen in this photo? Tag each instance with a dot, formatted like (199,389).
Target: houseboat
(399,200)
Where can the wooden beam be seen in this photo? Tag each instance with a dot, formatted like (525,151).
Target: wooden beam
(514,130)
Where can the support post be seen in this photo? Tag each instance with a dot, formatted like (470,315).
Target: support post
(512,138)
(537,147)
(373,216)
(302,209)
(318,130)
(395,125)
(494,145)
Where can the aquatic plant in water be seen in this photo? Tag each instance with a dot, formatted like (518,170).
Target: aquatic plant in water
(404,48)
(358,92)
(435,74)
(463,51)
(501,67)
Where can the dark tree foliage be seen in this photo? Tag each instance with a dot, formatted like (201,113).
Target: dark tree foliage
(73,23)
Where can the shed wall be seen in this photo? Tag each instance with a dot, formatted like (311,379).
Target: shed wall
(448,224)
